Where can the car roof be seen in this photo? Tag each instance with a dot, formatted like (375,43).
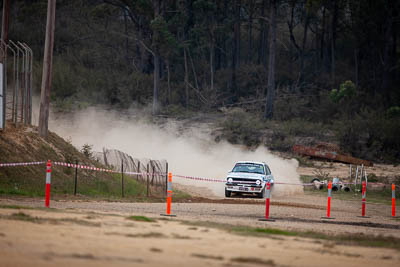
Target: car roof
(252,162)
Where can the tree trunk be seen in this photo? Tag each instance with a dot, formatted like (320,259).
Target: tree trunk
(225,60)
(269,107)
(47,69)
(250,33)
(356,68)
(333,42)
(126,38)
(3,60)
(235,50)
(156,59)
(386,81)
(142,53)
(291,27)
(212,66)
(218,38)
(212,51)
(168,82)
(303,46)
(322,41)
(186,78)
(4,25)
(292,38)
(194,70)
(395,77)
(262,55)
(156,83)
(237,33)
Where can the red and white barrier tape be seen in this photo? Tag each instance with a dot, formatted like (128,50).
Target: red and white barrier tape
(140,173)
(305,184)
(91,168)
(199,178)
(223,181)
(22,164)
(382,184)
(79,166)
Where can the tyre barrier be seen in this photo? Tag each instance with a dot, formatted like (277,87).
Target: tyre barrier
(169,186)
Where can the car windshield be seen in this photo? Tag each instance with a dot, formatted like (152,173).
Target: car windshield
(249,167)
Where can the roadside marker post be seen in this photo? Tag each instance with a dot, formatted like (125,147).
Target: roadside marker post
(363,200)
(328,210)
(169,196)
(364,193)
(393,201)
(268,196)
(48,182)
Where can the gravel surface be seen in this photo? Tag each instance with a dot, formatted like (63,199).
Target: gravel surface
(302,213)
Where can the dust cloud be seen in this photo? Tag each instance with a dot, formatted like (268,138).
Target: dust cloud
(190,151)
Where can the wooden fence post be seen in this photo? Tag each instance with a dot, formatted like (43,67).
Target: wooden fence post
(138,170)
(152,176)
(122,178)
(166,178)
(148,181)
(76,177)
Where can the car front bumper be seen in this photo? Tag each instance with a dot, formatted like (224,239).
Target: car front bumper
(244,189)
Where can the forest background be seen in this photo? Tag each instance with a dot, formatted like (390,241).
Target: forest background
(283,72)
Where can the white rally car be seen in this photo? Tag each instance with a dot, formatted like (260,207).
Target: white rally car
(248,177)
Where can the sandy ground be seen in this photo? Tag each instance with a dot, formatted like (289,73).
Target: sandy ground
(83,233)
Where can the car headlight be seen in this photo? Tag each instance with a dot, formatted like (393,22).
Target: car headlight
(258,182)
(230,180)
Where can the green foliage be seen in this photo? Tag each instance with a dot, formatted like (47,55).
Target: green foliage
(163,40)
(393,112)
(347,91)
(87,150)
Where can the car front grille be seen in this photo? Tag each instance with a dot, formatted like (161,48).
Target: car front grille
(244,181)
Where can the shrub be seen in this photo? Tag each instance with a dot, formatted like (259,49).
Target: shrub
(87,150)
(241,127)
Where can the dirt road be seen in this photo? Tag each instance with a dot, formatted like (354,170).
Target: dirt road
(82,233)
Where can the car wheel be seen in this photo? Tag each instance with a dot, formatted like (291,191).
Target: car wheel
(262,194)
(228,193)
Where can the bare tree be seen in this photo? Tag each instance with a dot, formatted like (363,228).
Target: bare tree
(47,69)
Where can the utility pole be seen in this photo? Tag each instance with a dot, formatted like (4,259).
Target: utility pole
(3,74)
(47,69)
(4,25)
